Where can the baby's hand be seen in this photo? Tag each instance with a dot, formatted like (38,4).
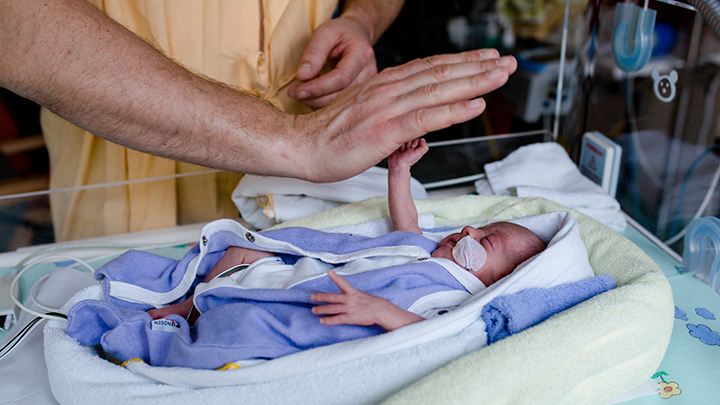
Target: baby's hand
(355,307)
(408,154)
(352,306)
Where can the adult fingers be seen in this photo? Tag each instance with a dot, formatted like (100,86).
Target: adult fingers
(452,91)
(420,122)
(449,72)
(315,54)
(420,65)
(325,99)
(354,59)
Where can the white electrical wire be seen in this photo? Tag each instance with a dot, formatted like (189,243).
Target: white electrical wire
(33,295)
(702,139)
(701,210)
(708,111)
(561,72)
(15,290)
(635,135)
(31,260)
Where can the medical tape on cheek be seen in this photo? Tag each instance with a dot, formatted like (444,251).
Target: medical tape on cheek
(469,253)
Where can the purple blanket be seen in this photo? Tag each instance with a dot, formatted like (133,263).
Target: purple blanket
(245,324)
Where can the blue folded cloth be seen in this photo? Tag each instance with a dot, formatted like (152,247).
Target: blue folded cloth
(510,314)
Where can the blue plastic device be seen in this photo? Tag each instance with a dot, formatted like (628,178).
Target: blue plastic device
(701,250)
(633,36)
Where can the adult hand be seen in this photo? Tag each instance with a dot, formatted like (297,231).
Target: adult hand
(346,44)
(369,121)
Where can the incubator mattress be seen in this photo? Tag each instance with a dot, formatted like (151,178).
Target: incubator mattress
(587,354)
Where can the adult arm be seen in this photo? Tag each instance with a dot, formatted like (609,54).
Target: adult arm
(72,59)
(403,212)
(355,307)
(347,42)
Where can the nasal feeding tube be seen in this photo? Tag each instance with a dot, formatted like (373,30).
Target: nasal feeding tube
(470,254)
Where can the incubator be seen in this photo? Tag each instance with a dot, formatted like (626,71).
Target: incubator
(657,103)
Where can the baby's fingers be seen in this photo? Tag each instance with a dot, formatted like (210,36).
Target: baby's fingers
(332,309)
(342,284)
(328,297)
(335,320)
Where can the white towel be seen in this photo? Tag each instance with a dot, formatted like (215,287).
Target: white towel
(266,201)
(545,170)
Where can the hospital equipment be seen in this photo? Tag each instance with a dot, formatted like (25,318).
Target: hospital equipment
(701,252)
(633,35)
(600,160)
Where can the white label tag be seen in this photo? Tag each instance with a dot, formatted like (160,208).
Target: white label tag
(166,325)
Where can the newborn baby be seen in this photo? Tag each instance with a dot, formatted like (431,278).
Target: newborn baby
(489,253)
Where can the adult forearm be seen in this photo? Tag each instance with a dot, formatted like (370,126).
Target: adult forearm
(375,15)
(72,59)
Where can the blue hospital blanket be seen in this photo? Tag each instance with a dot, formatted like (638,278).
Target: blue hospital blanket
(250,324)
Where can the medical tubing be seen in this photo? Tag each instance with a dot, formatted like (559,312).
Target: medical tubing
(33,298)
(710,11)
(14,285)
(561,72)
(635,133)
(708,110)
(701,210)
(710,191)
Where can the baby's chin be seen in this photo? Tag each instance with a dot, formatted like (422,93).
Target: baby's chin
(443,255)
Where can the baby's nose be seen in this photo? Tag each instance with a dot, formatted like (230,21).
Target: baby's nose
(469,231)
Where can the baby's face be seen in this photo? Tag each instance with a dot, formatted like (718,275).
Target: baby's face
(506,244)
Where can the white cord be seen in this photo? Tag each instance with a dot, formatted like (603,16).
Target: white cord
(15,290)
(635,135)
(701,210)
(37,257)
(561,73)
(33,295)
(708,112)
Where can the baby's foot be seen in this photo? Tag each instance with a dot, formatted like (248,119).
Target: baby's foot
(181,308)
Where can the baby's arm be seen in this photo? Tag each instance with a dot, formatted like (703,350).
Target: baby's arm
(403,212)
(355,307)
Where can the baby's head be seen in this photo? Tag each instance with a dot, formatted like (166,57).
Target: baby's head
(506,245)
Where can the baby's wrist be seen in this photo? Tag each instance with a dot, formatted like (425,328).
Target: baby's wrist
(399,169)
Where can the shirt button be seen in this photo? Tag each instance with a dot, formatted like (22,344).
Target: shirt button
(250,237)
(204,240)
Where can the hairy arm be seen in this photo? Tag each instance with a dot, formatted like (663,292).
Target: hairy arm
(72,59)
